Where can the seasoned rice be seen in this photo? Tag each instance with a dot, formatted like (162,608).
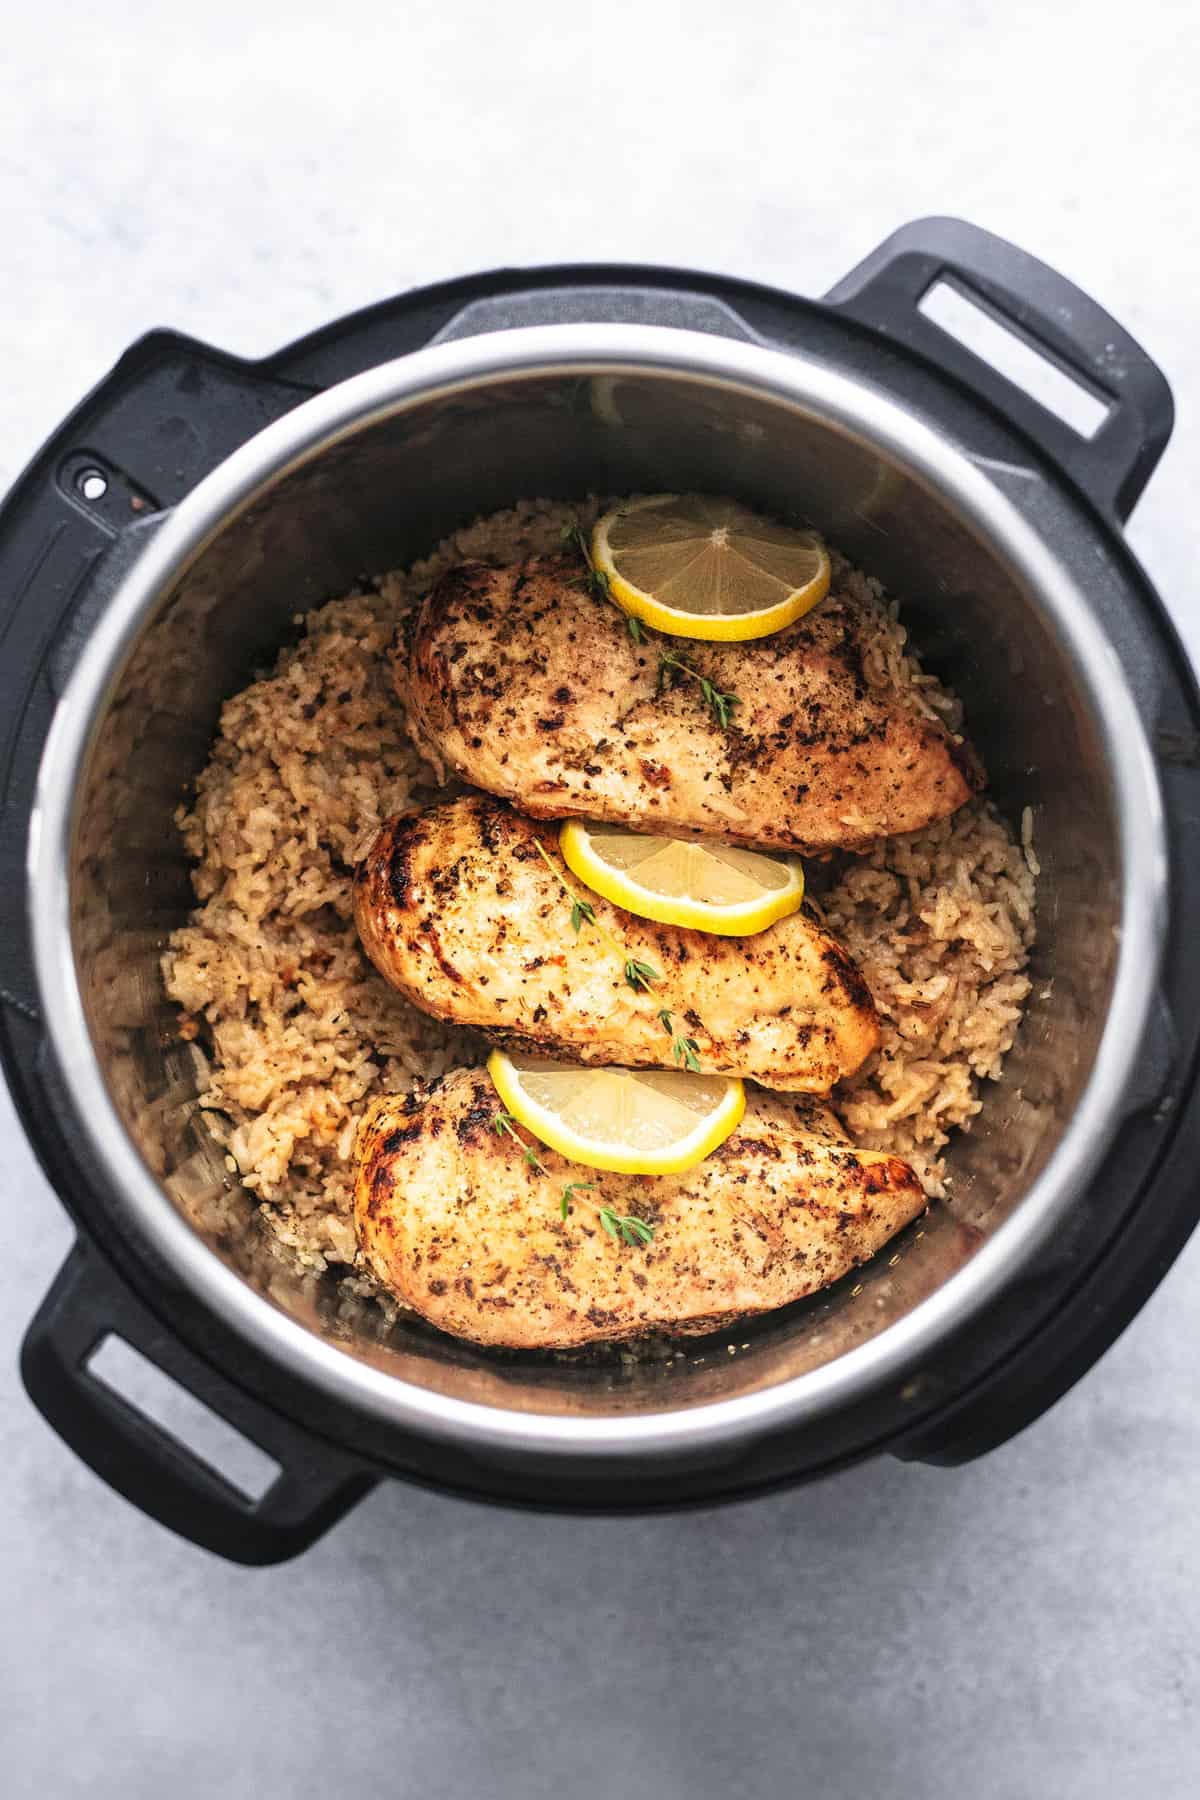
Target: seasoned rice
(940,923)
(297,1029)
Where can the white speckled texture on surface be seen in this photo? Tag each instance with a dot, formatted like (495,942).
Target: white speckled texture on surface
(1027,1626)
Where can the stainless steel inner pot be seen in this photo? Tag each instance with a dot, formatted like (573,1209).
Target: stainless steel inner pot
(371,475)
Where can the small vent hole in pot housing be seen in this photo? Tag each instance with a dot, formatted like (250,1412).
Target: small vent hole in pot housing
(92,484)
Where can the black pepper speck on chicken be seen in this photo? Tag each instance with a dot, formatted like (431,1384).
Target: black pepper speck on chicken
(528,685)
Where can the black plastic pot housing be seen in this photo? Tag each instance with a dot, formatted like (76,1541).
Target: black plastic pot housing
(170,412)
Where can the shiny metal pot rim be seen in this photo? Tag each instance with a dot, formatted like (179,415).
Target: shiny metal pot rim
(784,379)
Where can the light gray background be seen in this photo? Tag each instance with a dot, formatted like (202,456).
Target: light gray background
(1028,1626)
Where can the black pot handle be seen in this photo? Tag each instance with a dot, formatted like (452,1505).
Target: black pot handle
(1045,310)
(316,1483)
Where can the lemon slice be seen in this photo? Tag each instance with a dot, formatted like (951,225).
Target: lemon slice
(695,882)
(697,567)
(632,1121)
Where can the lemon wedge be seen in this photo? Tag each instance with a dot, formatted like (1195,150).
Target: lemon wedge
(632,1121)
(694,882)
(698,567)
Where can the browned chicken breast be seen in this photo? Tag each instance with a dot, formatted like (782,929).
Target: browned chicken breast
(455,1222)
(528,686)
(467,909)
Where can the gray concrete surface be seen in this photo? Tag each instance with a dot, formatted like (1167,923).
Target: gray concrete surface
(1024,1627)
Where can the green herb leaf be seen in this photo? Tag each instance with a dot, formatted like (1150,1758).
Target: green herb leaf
(684,1049)
(720,705)
(582,911)
(595,581)
(626,1227)
(641,975)
(633,626)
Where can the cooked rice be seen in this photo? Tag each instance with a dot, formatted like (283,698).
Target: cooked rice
(940,923)
(298,1029)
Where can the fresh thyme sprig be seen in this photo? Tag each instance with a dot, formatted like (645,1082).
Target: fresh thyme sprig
(572,1187)
(685,1049)
(595,580)
(720,705)
(504,1124)
(624,1226)
(636,1232)
(582,911)
(641,976)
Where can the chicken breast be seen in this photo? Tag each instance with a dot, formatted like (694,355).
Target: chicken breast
(527,685)
(467,909)
(455,1222)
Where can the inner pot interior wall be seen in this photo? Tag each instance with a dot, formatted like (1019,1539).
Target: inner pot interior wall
(389,492)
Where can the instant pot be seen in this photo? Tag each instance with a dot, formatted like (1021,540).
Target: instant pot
(158,551)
